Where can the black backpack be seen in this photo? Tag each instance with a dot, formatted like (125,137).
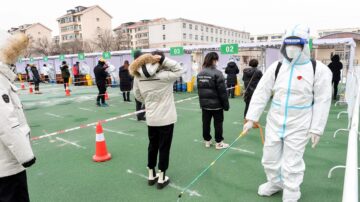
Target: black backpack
(313,62)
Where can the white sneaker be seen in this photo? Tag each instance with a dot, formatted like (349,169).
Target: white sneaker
(221,145)
(208,143)
(268,189)
(153,177)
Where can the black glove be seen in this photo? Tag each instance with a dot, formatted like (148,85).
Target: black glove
(29,163)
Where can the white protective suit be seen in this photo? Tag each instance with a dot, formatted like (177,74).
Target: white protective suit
(114,74)
(15,148)
(300,107)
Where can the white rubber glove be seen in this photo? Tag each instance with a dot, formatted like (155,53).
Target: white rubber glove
(248,125)
(315,138)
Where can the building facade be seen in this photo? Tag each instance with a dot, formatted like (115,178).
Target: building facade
(266,38)
(326,32)
(183,32)
(35,31)
(83,23)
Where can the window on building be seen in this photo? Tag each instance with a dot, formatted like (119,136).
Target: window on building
(184,44)
(216,31)
(202,38)
(202,28)
(196,37)
(164,37)
(97,19)
(220,31)
(207,29)
(190,26)
(184,36)
(79,19)
(39,33)
(211,30)
(220,40)
(184,25)
(196,27)
(164,46)
(207,38)
(224,32)
(163,27)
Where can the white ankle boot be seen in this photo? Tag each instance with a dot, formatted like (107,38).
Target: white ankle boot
(153,177)
(163,180)
(268,189)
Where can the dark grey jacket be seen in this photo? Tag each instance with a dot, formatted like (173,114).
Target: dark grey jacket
(212,90)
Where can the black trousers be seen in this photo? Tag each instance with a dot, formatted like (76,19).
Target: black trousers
(14,188)
(36,83)
(335,83)
(102,90)
(126,96)
(77,79)
(140,106)
(231,92)
(160,138)
(247,103)
(66,81)
(218,116)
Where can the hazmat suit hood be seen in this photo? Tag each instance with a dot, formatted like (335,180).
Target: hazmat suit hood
(11,47)
(301,34)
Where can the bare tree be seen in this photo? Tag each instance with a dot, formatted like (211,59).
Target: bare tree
(72,47)
(104,40)
(121,41)
(41,46)
(89,46)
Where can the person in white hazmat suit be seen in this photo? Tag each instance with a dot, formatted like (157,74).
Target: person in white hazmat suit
(15,149)
(113,74)
(301,90)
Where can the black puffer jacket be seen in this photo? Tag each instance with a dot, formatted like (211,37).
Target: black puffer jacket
(100,74)
(36,75)
(335,67)
(212,90)
(250,84)
(231,70)
(125,79)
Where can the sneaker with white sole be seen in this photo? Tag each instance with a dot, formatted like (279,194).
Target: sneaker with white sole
(153,177)
(208,143)
(221,145)
(163,180)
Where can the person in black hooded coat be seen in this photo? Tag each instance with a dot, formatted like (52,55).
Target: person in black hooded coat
(335,67)
(251,78)
(231,70)
(125,81)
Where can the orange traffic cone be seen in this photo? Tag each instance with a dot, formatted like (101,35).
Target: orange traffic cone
(67,90)
(22,85)
(30,88)
(101,153)
(106,96)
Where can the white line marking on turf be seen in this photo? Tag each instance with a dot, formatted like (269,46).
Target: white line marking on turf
(86,109)
(191,192)
(233,148)
(118,132)
(133,119)
(71,143)
(54,115)
(237,123)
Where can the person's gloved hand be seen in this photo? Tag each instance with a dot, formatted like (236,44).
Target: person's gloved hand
(315,138)
(247,126)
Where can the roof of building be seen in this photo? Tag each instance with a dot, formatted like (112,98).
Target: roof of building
(355,36)
(137,24)
(26,27)
(87,9)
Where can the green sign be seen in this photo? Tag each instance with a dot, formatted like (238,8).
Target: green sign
(31,59)
(46,58)
(229,49)
(311,44)
(62,57)
(81,56)
(106,55)
(176,51)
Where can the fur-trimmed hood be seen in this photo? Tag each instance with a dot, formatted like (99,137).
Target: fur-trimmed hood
(140,62)
(11,47)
